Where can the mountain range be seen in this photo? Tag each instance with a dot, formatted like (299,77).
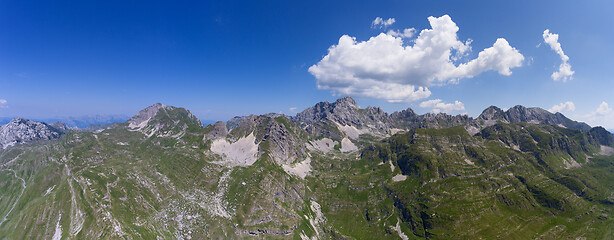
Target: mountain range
(82,122)
(332,171)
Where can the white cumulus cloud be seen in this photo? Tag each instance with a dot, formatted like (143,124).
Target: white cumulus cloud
(563,107)
(437,105)
(3,103)
(602,116)
(603,109)
(564,73)
(381,23)
(387,67)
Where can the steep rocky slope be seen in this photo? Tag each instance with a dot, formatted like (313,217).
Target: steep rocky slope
(516,114)
(21,130)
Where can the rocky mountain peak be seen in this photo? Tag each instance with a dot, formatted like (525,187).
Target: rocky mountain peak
(217,130)
(161,120)
(145,114)
(18,120)
(490,113)
(343,111)
(62,127)
(407,113)
(603,137)
(520,113)
(21,130)
(346,101)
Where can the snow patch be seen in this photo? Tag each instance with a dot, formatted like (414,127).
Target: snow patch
(9,144)
(304,237)
(489,123)
(122,143)
(58,230)
(347,145)
(472,130)
(300,169)
(317,219)
(394,131)
(397,228)
(351,131)
(469,162)
(77,216)
(391,166)
(23,184)
(324,145)
(243,152)
(515,147)
(606,151)
(399,177)
(138,126)
(570,163)
(49,190)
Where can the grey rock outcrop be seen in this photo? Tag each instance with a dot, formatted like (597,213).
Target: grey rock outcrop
(372,120)
(215,131)
(278,140)
(63,127)
(145,114)
(516,114)
(343,111)
(319,119)
(162,121)
(408,119)
(20,130)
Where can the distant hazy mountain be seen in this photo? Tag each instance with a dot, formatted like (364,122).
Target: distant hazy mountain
(85,121)
(80,122)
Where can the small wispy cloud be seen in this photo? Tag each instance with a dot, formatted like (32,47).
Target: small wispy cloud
(22,75)
(437,105)
(3,103)
(406,33)
(603,109)
(381,23)
(293,109)
(602,116)
(564,73)
(563,107)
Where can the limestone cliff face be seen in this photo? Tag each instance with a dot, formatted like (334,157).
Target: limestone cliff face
(215,131)
(370,120)
(343,111)
(275,134)
(20,130)
(519,113)
(161,120)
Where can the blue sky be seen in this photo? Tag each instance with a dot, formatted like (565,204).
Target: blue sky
(225,58)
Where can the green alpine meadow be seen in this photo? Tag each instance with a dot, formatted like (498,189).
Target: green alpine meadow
(332,171)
